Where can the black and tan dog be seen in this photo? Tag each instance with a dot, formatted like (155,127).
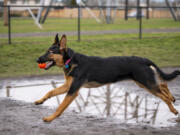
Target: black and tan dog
(89,71)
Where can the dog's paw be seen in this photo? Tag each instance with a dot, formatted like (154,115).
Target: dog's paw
(173,100)
(48,119)
(175,111)
(38,102)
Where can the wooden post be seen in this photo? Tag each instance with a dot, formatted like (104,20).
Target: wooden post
(54,86)
(8,91)
(140,22)
(126,10)
(108,12)
(9,25)
(137,10)
(5,13)
(147,9)
(79,24)
(146,110)
(108,101)
(171,10)
(125,105)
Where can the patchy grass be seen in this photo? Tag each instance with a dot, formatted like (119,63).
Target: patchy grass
(19,58)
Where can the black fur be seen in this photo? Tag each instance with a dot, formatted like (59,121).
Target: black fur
(90,71)
(113,69)
(106,70)
(166,76)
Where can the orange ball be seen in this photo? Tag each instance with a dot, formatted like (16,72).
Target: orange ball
(42,65)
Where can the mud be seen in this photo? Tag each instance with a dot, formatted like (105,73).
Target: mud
(20,118)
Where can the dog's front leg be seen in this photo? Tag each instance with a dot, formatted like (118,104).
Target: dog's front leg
(71,95)
(67,100)
(57,91)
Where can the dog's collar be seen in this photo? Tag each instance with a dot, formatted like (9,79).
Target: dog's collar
(67,63)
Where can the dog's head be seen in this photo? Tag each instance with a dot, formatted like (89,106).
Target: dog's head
(55,55)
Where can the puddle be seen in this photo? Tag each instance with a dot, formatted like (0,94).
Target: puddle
(123,101)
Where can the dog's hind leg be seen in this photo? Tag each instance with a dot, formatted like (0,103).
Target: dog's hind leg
(163,93)
(57,91)
(166,92)
(151,81)
(162,85)
(168,101)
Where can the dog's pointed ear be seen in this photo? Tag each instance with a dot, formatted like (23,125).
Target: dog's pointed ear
(56,40)
(63,42)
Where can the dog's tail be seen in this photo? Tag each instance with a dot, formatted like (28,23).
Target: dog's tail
(165,76)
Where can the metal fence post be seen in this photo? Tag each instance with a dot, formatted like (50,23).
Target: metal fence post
(79,25)
(9,25)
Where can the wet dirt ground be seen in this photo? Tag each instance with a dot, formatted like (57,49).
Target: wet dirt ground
(20,118)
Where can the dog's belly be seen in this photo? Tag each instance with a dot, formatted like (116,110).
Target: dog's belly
(92,84)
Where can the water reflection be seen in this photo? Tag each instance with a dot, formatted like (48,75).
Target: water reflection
(113,101)
(116,100)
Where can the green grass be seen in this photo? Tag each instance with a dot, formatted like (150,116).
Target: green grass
(21,25)
(19,58)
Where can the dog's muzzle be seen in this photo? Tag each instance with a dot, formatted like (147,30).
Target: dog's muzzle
(49,63)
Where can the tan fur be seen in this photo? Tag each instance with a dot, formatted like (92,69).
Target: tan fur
(164,89)
(163,94)
(161,91)
(139,84)
(63,42)
(66,102)
(168,102)
(57,91)
(58,59)
(92,85)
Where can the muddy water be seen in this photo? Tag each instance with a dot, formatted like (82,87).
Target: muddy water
(124,100)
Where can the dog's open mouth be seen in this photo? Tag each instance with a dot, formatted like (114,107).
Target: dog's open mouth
(49,64)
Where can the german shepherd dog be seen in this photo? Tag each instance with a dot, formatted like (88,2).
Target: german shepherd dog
(90,71)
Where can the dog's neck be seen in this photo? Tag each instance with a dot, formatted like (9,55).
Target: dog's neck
(66,65)
(69,63)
